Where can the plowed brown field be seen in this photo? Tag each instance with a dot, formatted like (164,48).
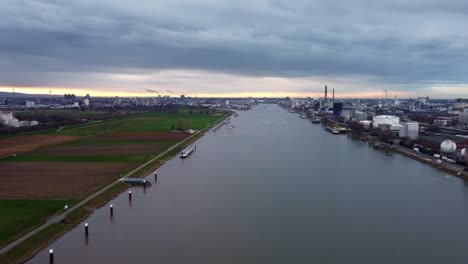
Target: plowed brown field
(56,180)
(104,149)
(22,144)
(123,135)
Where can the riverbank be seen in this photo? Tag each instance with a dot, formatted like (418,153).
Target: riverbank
(40,239)
(453,170)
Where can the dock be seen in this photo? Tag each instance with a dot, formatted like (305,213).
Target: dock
(135,181)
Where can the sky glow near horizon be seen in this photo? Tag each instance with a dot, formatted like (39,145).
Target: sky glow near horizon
(239,48)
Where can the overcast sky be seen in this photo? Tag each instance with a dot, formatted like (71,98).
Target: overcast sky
(236,48)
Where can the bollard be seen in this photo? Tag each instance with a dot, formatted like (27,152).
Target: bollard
(51,256)
(130,195)
(111,207)
(86,229)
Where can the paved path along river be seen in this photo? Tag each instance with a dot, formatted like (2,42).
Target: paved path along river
(277,189)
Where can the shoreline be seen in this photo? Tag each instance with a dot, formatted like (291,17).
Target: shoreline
(442,167)
(29,247)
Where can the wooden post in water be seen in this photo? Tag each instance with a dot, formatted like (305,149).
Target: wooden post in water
(130,195)
(111,207)
(51,256)
(86,227)
(155,176)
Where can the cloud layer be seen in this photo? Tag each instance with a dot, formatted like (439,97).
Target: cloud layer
(408,46)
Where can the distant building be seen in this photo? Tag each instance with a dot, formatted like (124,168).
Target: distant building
(440,122)
(366,124)
(337,109)
(433,142)
(30,104)
(463,118)
(392,122)
(409,130)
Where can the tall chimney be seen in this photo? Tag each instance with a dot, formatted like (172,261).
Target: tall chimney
(326,90)
(333,100)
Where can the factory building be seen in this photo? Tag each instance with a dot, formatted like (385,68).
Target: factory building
(387,121)
(409,130)
(434,142)
(463,118)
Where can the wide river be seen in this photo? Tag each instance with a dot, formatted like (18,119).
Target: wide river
(278,189)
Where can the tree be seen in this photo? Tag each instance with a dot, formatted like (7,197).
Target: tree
(356,128)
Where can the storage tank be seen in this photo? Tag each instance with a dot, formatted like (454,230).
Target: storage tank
(448,146)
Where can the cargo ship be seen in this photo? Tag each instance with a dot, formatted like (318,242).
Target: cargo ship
(187,152)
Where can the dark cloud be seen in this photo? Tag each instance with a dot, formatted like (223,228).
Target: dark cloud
(396,42)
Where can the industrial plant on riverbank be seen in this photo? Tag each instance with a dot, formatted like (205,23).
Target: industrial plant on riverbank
(435,128)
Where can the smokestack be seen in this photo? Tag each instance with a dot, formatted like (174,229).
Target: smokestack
(326,90)
(333,100)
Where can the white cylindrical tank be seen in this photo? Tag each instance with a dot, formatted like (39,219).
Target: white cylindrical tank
(448,146)
(463,152)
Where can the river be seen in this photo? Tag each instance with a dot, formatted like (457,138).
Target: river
(278,189)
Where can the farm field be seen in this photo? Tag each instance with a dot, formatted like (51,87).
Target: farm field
(53,166)
(20,215)
(56,180)
(20,144)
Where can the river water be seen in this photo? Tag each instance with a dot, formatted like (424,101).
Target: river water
(278,189)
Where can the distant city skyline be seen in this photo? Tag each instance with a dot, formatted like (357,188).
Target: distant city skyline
(257,48)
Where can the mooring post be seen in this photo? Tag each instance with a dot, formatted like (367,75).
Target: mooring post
(51,256)
(155,175)
(86,227)
(130,195)
(111,207)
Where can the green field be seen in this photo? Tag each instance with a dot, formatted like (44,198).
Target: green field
(18,216)
(161,121)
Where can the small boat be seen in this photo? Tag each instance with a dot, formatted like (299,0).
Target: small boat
(187,152)
(315,121)
(332,130)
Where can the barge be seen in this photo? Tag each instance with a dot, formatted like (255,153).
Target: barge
(188,151)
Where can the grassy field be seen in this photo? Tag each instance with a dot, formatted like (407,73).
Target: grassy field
(20,216)
(161,121)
